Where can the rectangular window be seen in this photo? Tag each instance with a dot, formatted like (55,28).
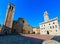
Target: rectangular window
(53,26)
(56,26)
(50,27)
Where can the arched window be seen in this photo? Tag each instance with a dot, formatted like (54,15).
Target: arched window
(23,21)
(9,7)
(53,22)
(12,8)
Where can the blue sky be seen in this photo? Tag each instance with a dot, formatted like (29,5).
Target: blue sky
(31,10)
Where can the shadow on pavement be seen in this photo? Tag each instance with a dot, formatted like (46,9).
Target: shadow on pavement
(57,38)
(19,39)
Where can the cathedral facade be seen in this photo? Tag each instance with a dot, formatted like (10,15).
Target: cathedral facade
(21,26)
(49,26)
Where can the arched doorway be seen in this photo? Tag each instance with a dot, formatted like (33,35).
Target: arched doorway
(47,32)
(33,32)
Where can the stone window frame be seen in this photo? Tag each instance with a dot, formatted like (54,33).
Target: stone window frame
(56,30)
(44,24)
(44,28)
(50,27)
(55,26)
(49,23)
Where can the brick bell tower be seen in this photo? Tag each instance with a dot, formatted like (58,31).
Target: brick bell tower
(9,17)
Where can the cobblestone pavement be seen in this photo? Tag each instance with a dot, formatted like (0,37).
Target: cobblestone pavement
(38,36)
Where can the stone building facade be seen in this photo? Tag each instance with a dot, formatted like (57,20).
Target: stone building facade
(36,30)
(21,26)
(0,28)
(50,27)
